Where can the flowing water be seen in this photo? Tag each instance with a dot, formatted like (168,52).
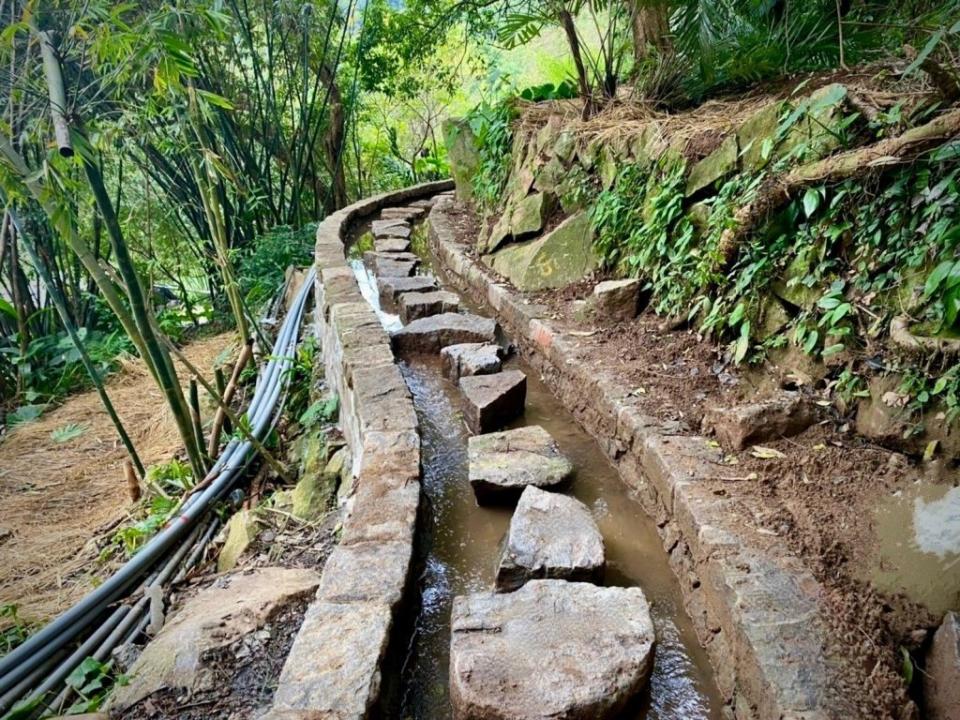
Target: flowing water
(459,542)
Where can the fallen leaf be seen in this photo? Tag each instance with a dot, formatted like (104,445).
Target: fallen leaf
(765,453)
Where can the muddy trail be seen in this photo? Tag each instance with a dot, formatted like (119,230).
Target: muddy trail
(459,541)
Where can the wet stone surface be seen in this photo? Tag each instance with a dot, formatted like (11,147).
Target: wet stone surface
(414,306)
(502,464)
(552,649)
(492,401)
(470,359)
(392,287)
(550,536)
(431,334)
(941,679)
(392,245)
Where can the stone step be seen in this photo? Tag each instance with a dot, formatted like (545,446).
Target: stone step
(392,287)
(431,334)
(503,464)
(492,401)
(550,536)
(470,359)
(391,245)
(390,228)
(407,213)
(552,649)
(414,306)
(395,268)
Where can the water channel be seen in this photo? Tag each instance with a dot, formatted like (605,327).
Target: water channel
(459,542)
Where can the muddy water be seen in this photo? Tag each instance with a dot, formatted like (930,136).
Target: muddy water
(459,542)
(918,533)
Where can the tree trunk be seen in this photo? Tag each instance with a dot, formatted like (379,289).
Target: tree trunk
(650,24)
(778,190)
(333,144)
(570,29)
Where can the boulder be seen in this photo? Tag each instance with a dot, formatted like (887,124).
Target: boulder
(562,256)
(315,488)
(462,154)
(552,649)
(392,287)
(470,359)
(522,219)
(491,401)
(431,334)
(233,607)
(241,531)
(419,305)
(784,415)
(550,536)
(941,677)
(391,245)
(616,300)
(715,166)
(503,464)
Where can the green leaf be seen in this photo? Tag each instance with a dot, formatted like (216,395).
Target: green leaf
(936,278)
(907,666)
(811,201)
(67,432)
(743,343)
(214,99)
(832,350)
(925,53)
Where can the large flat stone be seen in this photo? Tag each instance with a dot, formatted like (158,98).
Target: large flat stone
(552,649)
(366,572)
(391,245)
(234,606)
(491,401)
(396,268)
(390,228)
(391,288)
(470,359)
(550,536)
(558,258)
(431,334)
(333,669)
(502,464)
(414,306)
(407,213)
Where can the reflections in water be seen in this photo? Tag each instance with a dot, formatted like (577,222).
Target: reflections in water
(918,530)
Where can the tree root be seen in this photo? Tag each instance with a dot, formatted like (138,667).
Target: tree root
(906,341)
(776,191)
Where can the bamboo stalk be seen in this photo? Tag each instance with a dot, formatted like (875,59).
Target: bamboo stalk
(56,91)
(196,419)
(213,449)
(61,306)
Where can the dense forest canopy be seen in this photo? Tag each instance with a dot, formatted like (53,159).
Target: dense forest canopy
(164,151)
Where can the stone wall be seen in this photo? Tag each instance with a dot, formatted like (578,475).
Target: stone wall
(335,666)
(757,611)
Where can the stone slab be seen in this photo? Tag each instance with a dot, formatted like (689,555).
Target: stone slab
(392,287)
(503,464)
(431,334)
(492,401)
(414,306)
(470,359)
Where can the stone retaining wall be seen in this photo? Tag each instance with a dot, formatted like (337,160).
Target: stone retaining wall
(757,610)
(334,667)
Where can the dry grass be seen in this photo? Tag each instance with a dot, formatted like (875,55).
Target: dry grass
(58,498)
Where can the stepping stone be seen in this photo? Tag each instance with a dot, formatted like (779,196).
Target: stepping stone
(431,334)
(378,227)
(402,213)
(392,245)
(395,268)
(373,258)
(493,400)
(552,649)
(391,288)
(503,464)
(470,359)
(426,203)
(550,536)
(420,305)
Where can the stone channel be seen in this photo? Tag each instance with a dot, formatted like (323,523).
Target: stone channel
(577,543)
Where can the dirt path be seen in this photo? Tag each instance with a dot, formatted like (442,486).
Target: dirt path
(58,498)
